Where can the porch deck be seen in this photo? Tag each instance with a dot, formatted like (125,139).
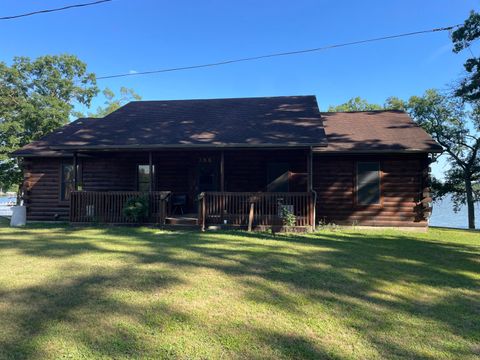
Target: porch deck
(248,210)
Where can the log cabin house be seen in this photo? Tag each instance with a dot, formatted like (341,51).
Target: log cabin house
(233,162)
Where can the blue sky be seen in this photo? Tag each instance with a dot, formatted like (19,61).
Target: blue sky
(127,35)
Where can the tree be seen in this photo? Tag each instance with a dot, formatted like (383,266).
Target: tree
(455,125)
(36,97)
(359,104)
(469,87)
(355,104)
(112,102)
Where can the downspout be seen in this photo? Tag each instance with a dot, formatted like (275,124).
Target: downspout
(310,185)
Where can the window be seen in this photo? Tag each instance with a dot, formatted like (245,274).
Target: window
(368,183)
(143,177)
(67,184)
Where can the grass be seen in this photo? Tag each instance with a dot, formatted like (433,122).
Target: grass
(107,292)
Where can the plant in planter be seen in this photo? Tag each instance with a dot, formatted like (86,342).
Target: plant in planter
(287,216)
(136,209)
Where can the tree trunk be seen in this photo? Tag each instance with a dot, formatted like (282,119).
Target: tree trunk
(19,194)
(470,203)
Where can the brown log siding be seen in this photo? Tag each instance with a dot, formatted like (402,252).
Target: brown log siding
(42,190)
(404,179)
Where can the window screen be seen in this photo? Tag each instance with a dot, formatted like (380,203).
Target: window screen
(368,183)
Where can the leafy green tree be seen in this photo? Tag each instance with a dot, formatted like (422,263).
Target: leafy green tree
(469,87)
(394,103)
(359,104)
(112,102)
(36,97)
(355,104)
(455,125)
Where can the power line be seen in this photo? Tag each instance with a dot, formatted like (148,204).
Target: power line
(278,54)
(53,10)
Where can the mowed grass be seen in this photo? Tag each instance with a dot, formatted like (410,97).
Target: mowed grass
(106,292)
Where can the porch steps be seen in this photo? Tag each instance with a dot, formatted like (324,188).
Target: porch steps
(184,220)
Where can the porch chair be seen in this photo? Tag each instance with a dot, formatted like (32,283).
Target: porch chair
(178,202)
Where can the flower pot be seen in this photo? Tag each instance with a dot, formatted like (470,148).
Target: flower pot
(19,216)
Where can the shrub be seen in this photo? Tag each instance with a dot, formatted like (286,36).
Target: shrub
(136,209)
(288,218)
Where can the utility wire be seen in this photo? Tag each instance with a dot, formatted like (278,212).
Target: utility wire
(53,10)
(278,54)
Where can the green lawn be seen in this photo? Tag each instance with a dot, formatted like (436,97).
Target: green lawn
(144,293)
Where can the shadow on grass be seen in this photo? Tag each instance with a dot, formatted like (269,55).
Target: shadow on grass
(344,271)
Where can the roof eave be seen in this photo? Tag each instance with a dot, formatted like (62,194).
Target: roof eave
(183,146)
(380,151)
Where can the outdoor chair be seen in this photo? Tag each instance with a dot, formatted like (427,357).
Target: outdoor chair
(179,202)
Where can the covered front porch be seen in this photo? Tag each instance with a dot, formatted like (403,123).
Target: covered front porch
(241,188)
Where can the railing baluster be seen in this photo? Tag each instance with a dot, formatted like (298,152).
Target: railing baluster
(89,206)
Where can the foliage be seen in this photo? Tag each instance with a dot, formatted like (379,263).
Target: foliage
(359,104)
(144,293)
(355,104)
(36,97)
(137,209)
(394,103)
(112,102)
(455,125)
(469,87)
(454,185)
(287,216)
(323,224)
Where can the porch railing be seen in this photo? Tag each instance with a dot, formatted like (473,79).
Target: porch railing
(107,206)
(250,209)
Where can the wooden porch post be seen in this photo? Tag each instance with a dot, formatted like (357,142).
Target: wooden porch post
(222,171)
(75,172)
(312,202)
(222,185)
(309,171)
(150,170)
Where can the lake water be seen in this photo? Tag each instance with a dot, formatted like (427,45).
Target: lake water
(442,215)
(4,209)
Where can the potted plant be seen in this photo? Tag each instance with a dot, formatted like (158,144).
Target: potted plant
(136,209)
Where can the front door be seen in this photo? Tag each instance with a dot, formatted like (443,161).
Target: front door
(207,177)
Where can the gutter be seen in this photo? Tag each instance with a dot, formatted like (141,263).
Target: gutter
(380,151)
(185,146)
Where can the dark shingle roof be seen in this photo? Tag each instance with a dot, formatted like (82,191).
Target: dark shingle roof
(42,147)
(260,122)
(366,131)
